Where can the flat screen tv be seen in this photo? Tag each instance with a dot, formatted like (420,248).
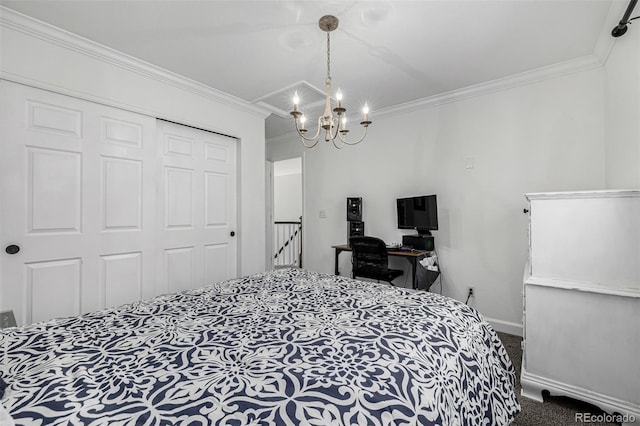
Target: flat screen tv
(419,213)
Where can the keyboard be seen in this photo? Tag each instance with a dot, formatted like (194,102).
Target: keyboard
(399,248)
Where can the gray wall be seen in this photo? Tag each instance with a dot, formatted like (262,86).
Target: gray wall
(544,136)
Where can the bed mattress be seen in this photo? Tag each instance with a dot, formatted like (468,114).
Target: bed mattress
(286,347)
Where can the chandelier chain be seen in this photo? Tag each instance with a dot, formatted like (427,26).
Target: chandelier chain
(328,57)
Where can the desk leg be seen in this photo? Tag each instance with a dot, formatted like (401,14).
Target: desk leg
(414,264)
(337,271)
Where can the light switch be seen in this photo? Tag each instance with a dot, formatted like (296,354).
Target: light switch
(469,163)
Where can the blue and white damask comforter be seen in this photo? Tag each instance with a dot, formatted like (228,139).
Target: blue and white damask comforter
(288,347)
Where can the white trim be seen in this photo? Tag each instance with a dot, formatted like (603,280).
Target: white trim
(285,114)
(560,69)
(303,83)
(23,23)
(584,63)
(269,213)
(505,326)
(38,84)
(604,46)
(533,384)
(275,110)
(51,34)
(606,193)
(589,287)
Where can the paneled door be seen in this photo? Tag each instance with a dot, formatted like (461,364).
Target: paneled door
(196,206)
(77,205)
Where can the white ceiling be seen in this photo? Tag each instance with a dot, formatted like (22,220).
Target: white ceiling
(384,52)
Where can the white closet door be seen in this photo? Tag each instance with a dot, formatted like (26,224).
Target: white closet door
(196,207)
(77,196)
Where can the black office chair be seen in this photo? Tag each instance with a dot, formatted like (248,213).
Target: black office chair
(369,259)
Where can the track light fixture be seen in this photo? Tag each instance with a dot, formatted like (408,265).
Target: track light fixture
(621,28)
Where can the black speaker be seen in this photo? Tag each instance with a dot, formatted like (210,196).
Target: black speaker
(354,209)
(355,229)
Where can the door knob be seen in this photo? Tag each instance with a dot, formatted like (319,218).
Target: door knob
(12,249)
(232,233)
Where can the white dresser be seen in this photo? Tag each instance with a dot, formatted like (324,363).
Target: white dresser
(582,299)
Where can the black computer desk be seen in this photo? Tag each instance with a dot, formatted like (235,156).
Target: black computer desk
(412,257)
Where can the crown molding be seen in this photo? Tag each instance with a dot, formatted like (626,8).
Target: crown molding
(601,52)
(49,33)
(262,100)
(599,193)
(560,69)
(11,19)
(515,80)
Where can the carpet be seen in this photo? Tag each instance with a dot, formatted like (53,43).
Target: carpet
(555,410)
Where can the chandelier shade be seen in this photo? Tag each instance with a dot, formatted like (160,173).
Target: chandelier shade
(333,120)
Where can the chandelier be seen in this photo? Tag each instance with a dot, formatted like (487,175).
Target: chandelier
(335,127)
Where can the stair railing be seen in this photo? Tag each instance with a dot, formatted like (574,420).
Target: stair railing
(287,243)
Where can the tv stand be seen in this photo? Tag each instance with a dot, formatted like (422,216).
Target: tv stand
(424,232)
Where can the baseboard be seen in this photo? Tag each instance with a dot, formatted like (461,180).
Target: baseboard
(505,326)
(533,385)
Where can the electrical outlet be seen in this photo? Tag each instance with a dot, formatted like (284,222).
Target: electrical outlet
(7,319)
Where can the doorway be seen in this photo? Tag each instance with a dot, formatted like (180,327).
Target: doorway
(287,227)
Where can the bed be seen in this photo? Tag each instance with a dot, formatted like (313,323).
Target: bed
(285,347)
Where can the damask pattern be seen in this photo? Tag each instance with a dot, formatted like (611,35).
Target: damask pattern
(287,347)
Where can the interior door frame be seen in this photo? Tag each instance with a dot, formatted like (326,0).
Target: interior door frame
(270,204)
(269,211)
